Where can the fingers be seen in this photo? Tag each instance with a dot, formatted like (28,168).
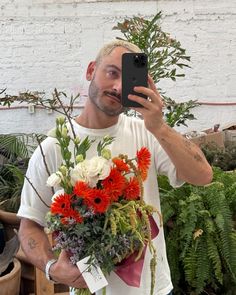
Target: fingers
(153,97)
(67,273)
(79,283)
(151,83)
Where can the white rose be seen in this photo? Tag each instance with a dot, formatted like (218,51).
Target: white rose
(79,172)
(54,179)
(90,171)
(99,167)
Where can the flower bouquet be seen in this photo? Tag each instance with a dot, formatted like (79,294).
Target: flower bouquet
(100,212)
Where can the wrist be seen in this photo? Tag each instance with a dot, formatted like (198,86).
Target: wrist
(162,131)
(47,269)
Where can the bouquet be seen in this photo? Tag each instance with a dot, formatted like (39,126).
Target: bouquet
(100,212)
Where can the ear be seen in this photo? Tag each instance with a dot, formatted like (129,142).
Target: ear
(90,70)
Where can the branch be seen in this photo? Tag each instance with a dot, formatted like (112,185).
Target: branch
(41,199)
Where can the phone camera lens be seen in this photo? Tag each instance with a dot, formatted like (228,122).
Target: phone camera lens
(136,59)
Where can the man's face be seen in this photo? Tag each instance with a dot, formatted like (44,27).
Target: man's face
(105,86)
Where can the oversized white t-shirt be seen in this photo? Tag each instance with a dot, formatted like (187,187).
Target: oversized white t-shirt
(130,135)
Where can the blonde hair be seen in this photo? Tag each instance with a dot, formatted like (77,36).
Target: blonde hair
(109,47)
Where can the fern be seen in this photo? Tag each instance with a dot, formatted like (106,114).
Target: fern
(200,234)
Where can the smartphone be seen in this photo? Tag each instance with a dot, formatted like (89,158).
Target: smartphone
(134,73)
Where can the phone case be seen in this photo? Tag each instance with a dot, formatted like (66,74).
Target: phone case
(134,73)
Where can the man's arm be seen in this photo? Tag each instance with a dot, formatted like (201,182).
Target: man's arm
(191,164)
(37,248)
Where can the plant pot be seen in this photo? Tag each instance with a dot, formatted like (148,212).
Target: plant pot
(10,221)
(10,283)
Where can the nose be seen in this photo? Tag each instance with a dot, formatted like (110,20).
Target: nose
(117,86)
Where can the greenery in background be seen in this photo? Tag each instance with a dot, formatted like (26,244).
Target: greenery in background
(200,235)
(224,159)
(166,57)
(15,151)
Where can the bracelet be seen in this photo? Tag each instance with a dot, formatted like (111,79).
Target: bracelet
(47,269)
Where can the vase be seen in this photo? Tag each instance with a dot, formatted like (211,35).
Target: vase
(10,282)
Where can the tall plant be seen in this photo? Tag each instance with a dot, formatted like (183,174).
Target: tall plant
(166,57)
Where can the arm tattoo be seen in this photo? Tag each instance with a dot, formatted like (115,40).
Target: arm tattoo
(32,243)
(198,157)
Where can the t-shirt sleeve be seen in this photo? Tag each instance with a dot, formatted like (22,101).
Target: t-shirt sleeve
(36,195)
(165,166)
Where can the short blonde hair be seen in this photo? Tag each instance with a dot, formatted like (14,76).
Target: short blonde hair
(109,47)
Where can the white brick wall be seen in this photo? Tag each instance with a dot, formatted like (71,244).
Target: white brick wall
(47,43)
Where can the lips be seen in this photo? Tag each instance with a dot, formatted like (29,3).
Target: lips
(115,97)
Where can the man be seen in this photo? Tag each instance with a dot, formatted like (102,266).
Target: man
(172,155)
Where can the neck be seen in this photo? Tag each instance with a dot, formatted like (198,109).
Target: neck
(95,119)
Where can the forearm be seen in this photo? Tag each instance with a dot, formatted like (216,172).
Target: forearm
(190,162)
(35,243)
(36,246)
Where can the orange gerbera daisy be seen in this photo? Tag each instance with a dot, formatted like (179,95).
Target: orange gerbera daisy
(143,160)
(71,216)
(81,189)
(120,164)
(98,200)
(61,204)
(114,184)
(132,190)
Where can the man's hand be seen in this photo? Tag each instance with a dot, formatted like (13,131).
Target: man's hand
(64,272)
(152,107)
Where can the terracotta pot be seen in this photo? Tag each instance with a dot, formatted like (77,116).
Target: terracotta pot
(10,221)
(10,283)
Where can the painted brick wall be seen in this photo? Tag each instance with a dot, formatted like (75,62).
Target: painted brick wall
(47,43)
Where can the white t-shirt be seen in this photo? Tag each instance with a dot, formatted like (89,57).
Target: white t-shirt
(130,135)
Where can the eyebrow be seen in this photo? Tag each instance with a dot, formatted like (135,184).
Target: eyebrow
(114,66)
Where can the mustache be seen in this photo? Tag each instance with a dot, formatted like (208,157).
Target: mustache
(113,94)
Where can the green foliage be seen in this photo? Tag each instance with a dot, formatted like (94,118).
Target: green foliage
(15,151)
(166,58)
(225,159)
(201,235)
(165,54)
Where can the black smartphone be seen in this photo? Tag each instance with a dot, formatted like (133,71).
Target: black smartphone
(134,73)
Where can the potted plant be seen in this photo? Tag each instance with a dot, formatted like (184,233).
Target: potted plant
(10,267)
(15,151)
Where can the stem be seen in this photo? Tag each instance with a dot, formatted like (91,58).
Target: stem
(41,199)
(44,160)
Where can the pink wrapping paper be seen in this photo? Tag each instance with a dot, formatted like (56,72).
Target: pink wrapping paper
(129,270)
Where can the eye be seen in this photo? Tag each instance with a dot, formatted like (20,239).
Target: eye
(112,74)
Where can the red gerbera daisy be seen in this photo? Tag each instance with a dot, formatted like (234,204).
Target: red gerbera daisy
(61,204)
(81,189)
(132,190)
(143,160)
(72,216)
(120,164)
(98,200)
(114,184)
